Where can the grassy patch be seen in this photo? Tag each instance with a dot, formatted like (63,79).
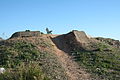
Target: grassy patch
(24,61)
(104,64)
(20,59)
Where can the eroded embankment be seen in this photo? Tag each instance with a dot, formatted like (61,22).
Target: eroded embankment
(73,70)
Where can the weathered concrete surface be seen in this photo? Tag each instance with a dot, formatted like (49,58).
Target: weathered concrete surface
(79,40)
(81,37)
(26,34)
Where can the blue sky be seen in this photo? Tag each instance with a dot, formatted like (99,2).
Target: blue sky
(95,17)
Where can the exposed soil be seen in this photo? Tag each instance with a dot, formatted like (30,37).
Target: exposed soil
(73,70)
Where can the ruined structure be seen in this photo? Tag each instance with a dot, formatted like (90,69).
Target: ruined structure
(74,40)
(79,40)
(26,33)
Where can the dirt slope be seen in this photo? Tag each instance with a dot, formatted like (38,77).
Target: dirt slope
(72,69)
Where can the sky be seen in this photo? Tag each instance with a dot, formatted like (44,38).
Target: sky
(95,17)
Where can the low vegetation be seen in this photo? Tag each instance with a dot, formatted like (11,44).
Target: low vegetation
(34,59)
(24,61)
(20,61)
(103,64)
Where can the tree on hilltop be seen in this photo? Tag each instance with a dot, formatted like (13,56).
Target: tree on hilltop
(48,31)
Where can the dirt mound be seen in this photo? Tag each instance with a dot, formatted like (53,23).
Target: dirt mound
(61,55)
(61,46)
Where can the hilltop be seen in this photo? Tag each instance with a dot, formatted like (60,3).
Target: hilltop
(72,56)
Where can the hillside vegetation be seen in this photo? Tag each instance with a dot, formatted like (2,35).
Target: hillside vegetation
(19,59)
(104,65)
(24,60)
(71,56)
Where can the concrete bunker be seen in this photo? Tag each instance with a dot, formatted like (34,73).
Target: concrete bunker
(26,33)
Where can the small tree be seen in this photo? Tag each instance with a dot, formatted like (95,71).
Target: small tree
(48,31)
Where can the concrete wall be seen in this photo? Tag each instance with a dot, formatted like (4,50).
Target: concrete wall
(26,34)
(77,40)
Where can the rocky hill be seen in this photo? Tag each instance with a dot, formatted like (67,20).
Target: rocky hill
(71,56)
